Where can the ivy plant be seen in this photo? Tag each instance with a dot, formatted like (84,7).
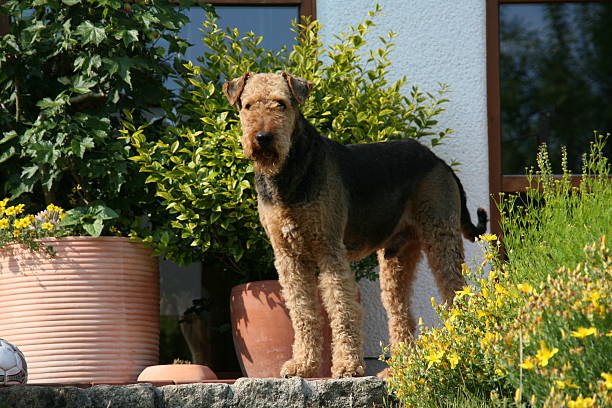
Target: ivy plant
(67,70)
(197,166)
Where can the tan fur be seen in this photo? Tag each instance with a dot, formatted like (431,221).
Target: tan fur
(309,237)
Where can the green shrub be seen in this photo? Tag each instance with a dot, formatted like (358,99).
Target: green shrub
(67,70)
(198,168)
(517,335)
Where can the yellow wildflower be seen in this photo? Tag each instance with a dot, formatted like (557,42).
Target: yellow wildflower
(466,291)
(565,384)
(527,364)
(608,380)
(4,202)
(583,332)
(434,357)
(517,395)
(525,288)
(453,360)
(544,354)
(593,296)
(48,226)
(581,402)
(16,233)
(4,222)
(488,237)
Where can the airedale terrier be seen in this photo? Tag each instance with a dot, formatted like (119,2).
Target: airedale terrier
(324,204)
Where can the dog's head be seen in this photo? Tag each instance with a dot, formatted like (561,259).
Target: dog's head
(269,111)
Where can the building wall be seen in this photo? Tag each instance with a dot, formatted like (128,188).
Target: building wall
(438,41)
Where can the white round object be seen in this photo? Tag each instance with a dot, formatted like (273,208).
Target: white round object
(13,367)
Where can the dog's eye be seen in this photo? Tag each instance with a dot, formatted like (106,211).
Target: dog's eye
(281,105)
(247,106)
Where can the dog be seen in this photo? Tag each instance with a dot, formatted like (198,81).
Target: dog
(324,204)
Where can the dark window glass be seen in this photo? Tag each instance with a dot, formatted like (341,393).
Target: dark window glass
(271,22)
(556,80)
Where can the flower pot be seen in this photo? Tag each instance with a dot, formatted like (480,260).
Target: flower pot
(176,373)
(90,314)
(262,330)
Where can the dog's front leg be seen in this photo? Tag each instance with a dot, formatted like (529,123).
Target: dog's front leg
(298,282)
(339,292)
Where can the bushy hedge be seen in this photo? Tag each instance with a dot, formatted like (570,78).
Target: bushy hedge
(536,331)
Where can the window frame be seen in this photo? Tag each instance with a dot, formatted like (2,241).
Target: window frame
(498,181)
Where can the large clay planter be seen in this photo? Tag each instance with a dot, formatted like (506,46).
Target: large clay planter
(90,314)
(262,330)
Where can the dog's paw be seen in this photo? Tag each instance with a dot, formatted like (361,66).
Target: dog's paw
(384,374)
(294,368)
(348,370)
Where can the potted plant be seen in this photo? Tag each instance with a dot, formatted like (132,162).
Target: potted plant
(205,182)
(67,71)
(81,308)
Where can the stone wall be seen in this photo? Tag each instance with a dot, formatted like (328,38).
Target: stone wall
(366,392)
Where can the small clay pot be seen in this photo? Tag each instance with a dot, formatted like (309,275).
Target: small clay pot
(176,373)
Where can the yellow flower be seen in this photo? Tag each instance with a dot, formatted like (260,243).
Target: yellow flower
(565,384)
(581,402)
(544,354)
(453,360)
(4,222)
(4,202)
(15,209)
(525,288)
(593,296)
(48,226)
(16,233)
(517,395)
(608,380)
(466,291)
(54,208)
(434,357)
(488,237)
(24,222)
(527,364)
(583,332)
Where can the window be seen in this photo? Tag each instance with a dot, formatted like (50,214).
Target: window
(549,77)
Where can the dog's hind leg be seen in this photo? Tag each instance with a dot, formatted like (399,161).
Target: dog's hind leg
(298,282)
(339,293)
(397,272)
(444,249)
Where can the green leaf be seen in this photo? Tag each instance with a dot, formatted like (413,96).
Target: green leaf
(90,34)
(82,85)
(71,2)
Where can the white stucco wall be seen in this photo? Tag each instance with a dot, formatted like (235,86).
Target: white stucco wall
(438,41)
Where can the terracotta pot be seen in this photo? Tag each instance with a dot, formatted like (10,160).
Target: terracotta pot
(176,373)
(262,330)
(90,314)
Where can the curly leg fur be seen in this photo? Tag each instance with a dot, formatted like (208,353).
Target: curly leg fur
(339,293)
(298,282)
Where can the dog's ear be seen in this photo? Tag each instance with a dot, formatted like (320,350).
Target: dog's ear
(233,89)
(300,87)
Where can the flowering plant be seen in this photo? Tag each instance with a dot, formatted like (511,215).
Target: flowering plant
(18,227)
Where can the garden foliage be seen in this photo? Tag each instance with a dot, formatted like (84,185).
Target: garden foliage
(537,330)
(197,166)
(67,70)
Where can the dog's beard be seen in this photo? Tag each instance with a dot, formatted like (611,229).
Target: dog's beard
(266,160)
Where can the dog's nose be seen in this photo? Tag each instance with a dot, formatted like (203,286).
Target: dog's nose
(264,138)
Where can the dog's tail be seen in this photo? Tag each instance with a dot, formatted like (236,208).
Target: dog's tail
(470,231)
